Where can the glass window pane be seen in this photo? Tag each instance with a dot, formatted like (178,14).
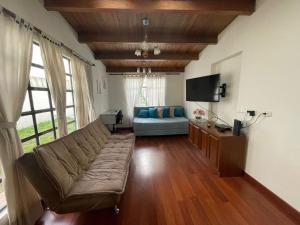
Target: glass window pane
(44,121)
(28,146)
(71,127)
(25,126)
(37,77)
(70,114)
(40,100)
(55,118)
(67,65)
(69,97)
(69,83)
(46,138)
(26,104)
(36,55)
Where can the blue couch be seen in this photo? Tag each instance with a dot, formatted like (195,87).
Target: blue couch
(158,126)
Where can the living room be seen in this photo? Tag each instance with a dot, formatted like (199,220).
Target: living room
(149,112)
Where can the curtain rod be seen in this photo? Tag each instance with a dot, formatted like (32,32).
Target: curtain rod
(40,32)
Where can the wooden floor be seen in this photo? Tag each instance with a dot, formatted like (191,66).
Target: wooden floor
(170,184)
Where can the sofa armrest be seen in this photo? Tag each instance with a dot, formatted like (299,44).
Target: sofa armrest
(38,179)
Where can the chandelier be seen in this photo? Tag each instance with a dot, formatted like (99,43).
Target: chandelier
(145,50)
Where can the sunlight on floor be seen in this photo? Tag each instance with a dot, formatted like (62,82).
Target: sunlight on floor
(149,162)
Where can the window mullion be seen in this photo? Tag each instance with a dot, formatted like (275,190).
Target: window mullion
(33,114)
(51,111)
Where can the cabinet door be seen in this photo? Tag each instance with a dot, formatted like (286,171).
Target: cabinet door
(191,132)
(214,150)
(199,139)
(196,136)
(204,142)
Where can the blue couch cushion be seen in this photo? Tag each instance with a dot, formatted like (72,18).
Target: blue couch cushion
(153,113)
(166,112)
(143,113)
(179,112)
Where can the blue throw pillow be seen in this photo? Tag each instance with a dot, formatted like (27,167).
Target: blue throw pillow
(143,113)
(179,112)
(166,112)
(153,113)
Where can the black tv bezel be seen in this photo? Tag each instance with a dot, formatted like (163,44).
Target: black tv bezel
(219,94)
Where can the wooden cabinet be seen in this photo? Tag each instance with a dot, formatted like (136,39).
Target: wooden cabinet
(224,152)
(214,150)
(194,134)
(204,142)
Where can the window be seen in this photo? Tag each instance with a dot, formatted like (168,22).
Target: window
(152,92)
(70,109)
(38,123)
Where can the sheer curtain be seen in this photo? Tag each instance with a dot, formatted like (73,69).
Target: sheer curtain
(89,77)
(156,90)
(83,103)
(133,86)
(15,59)
(56,78)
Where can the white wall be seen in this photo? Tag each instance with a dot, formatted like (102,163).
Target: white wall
(55,25)
(117,99)
(269,81)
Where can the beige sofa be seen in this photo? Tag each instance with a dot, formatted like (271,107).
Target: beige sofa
(82,171)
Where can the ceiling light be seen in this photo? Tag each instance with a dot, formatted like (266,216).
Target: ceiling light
(149,70)
(156,51)
(138,52)
(138,70)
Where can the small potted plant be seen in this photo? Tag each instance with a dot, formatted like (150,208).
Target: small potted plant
(199,113)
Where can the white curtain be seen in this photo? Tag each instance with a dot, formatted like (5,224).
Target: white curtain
(83,103)
(15,59)
(56,78)
(132,86)
(89,77)
(156,90)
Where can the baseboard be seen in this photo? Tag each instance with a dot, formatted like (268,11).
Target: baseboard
(283,206)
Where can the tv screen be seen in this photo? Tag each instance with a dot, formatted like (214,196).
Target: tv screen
(203,89)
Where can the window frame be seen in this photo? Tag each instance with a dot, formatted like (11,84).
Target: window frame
(34,112)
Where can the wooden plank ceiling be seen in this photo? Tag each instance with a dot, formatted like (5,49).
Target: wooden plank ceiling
(181,29)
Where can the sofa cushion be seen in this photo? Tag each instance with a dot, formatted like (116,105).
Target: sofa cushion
(172,111)
(57,164)
(122,136)
(104,129)
(179,112)
(160,112)
(76,151)
(166,113)
(143,113)
(160,124)
(153,113)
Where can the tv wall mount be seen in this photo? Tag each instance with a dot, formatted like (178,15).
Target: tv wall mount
(222,90)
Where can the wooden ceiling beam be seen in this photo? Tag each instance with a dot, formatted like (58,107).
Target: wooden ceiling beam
(152,38)
(129,55)
(118,69)
(226,7)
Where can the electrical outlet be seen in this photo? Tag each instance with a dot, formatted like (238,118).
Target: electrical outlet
(268,114)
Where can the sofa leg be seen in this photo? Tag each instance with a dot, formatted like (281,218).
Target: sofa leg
(116,210)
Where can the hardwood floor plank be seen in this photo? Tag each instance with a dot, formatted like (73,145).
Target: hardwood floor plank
(171,184)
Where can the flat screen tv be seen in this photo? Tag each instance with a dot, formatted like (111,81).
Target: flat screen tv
(203,89)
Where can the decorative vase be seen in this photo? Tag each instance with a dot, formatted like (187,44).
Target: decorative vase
(198,118)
